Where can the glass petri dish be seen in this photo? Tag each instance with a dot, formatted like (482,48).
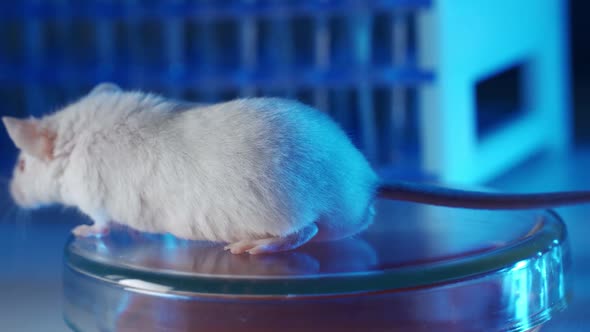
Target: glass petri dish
(417,268)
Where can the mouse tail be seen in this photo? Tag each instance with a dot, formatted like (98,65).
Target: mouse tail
(435,195)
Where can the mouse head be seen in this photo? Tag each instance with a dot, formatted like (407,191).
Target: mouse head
(35,177)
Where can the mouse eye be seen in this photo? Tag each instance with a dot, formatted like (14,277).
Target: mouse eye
(21,165)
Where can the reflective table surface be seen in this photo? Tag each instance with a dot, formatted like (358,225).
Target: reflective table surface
(417,268)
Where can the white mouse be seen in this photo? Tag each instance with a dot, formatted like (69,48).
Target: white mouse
(261,174)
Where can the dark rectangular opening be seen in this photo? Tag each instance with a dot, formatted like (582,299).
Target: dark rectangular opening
(499,98)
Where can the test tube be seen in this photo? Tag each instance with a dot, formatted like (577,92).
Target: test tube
(248,49)
(361,23)
(104,44)
(133,44)
(66,39)
(33,93)
(208,50)
(282,37)
(398,106)
(174,46)
(322,59)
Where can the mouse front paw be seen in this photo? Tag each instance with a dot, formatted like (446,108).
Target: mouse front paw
(88,231)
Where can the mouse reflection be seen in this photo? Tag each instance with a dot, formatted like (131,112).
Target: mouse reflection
(165,253)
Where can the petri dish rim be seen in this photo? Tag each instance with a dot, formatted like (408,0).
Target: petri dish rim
(547,238)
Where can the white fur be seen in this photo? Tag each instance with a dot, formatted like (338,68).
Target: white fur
(244,169)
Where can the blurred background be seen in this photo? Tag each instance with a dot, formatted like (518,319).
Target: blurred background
(421,87)
(468,92)
(424,89)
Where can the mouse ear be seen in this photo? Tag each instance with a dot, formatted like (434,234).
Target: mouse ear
(30,137)
(105,87)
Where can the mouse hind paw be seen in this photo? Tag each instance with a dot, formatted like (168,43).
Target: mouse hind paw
(274,244)
(88,230)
